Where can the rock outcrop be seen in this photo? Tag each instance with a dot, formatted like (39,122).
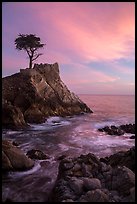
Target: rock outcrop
(12,117)
(122,158)
(37,154)
(118,130)
(87,179)
(34,94)
(14,159)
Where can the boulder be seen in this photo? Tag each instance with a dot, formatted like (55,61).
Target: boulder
(87,179)
(91,183)
(15,143)
(76,185)
(123,180)
(37,154)
(13,159)
(132,137)
(95,196)
(61,157)
(122,158)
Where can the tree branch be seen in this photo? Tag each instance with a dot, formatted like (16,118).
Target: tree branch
(36,56)
(28,52)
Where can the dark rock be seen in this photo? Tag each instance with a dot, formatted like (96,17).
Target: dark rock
(61,157)
(132,137)
(123,180)
(15,143)
(77,167)
(34,115)
(95,196)
(34,94)
(76,185)
(119,130)
(91,183)
(132,194)
(13,159)
(101,129)
(68,165)
(106,128)
(87,179)
(37,154)
(128,128)
(12,117)
(122,158)
(62,192)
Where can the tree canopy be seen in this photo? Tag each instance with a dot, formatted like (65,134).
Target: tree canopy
(29,43)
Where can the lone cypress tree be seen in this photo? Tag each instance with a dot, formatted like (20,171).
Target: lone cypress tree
(29,43)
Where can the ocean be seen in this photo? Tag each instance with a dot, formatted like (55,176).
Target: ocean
(71,136)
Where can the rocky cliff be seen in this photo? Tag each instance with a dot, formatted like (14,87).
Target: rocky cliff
(34,94)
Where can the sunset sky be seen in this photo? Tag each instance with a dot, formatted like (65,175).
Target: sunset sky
(93,42)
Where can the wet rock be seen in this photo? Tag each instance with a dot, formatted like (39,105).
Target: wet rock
(68,200)
(122,158)
(76,185)
(114,196)
(66,164)
(118,130)
(132,137)
(128,128)
(13,159)
(61,157)
(96,196)
(15,143)
(123,180)
(37,154)
(101,129)
(76,167)
(91,183)
(87,179)
(62,192)
(86,170)
(132,194)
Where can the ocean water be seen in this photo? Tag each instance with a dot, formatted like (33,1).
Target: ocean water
(69,136)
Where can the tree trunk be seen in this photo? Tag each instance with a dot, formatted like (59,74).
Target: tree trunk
(30,62)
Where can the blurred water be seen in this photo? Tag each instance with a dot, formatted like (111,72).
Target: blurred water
(70,136)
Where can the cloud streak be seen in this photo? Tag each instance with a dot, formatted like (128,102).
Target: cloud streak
(76,34)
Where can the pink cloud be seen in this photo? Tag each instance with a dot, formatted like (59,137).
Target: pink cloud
(78,33)
(88,36)
(87,31)
(83,75)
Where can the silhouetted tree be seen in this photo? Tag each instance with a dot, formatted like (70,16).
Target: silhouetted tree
(29,43)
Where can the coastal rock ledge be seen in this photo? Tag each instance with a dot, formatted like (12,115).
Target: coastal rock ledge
(34,94)
(87,179)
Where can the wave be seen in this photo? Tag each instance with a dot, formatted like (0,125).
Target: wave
(52,122)
(17,174)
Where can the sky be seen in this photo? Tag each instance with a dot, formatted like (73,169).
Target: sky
(93,42)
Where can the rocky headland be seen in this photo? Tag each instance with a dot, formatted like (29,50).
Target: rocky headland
(32,95)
